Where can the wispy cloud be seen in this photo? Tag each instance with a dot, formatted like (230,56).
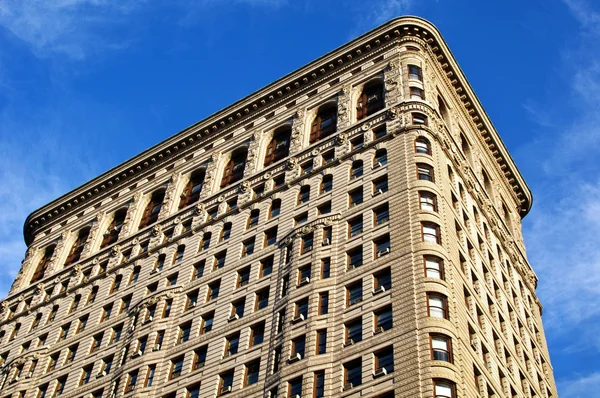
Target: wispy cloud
(563,228)
(580,387)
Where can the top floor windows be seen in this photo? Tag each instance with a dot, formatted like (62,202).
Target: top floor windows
(279,146)
(415,73)
(370,100)
(325,123)
(234,170)
(78,246)
(152,209)
(112,232)
(191,192)
(43,264)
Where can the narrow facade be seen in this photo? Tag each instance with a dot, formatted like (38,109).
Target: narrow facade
(353,229)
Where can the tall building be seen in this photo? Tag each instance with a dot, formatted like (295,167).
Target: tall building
(352,229)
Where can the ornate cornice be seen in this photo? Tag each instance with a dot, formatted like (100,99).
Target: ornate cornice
(276,94)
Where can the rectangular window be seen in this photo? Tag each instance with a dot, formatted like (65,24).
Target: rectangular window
(437,306)
(86,375)
(116,334)
(323,303)
(232,344)
(207,323)
(352,374)
(384,359)
(285,284)
(354,293)
(321,341)
(307,243)
(237,308)
(354,258)
(262,299)
(106,310)
(225,382)
(319,384)
(353,331)
(303,275)
(172,280)
(199,357)
(299,346)
(325,268)
(434,267)
(150,376)
(380,185)
(219,261)
(302,308)
(355,226)
(326,183)
(248,247)
(417,93)
(266,266)
(295,387)
(213,290)
(167,308)
(184,332)
(355,197)
(193,391)
(257,334)
(243,277)
(383,281)
(301,218)
(96,343)
(275,208)
(191,300)
(324,208)
(427,201)
(415,73)
(176,368)
(251,373)
(280,321)
(270,237)
(131,380)
(383,319)
(381,215)
(381,246)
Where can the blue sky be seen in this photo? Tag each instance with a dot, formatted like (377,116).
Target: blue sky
(87,84)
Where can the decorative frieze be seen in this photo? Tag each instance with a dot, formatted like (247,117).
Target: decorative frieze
(297,131)
(344,107)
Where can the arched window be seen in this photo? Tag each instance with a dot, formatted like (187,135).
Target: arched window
(443,110)
(279,146)
(152,209)
(234,170)
(487,184)
(191,192)
(225,232)
(43,264)
(466,149)
(356,170)
(380,158)
(78,246)
(422,146)
(370,100)
(325,123)
(112,232)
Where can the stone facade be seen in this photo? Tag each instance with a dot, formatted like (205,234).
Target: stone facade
(188,306)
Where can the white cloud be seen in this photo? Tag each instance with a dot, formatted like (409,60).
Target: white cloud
(580,387)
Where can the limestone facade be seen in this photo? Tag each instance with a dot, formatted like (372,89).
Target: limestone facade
(382,258)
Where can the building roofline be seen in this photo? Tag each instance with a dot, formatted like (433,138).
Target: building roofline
(253,104)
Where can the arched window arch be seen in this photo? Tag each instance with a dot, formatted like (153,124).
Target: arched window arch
(380,158)
(370,100)
(152,209)
(112,232)
(191,192)
(487,184)
(325,123)
(466,148)
(234,170)
(78,246)
(356,170)
(423,146)
(43,264)
(443,109)
(279,146)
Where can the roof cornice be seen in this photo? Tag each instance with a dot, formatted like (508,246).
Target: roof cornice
(242,111)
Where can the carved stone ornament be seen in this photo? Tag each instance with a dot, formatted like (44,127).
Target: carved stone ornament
(341,138)
(392,113)
(297,130)
(306,230)
(292,163)
(156,230)
(244,187)
(177,220)
(131,211)
(200,208)
(169,196)
(267,175)
(315,152)
(287,241)
(115,250)
(210,175)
